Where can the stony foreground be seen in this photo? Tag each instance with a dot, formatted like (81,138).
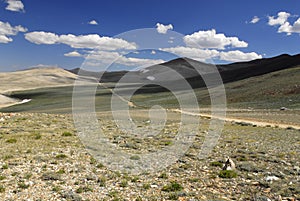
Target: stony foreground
(41,158)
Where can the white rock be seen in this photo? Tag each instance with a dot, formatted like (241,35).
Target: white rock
(150,78)
(153,186)
(271,178)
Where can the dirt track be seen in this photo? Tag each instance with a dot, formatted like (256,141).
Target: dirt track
(239,120)
(257,122)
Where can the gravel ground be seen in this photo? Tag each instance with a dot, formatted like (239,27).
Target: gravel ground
(41,158)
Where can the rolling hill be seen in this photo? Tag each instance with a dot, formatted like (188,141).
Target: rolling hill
(31,79)
(264,83)
(35,78)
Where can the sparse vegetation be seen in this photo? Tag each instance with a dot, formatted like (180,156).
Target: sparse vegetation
(124,183)
(146,186)
(135,179)
(28,176)
(61,156)
(163,176)
(11,140)
(173,196)
(173,186)
(93,161)
(61,171)
(227,174)
(6,157)
(84,189)
(5,167)
(67,134)
(216,164)
(56,189)
(2,189)
(135,157)
(102,181)
(37,136)
(22,185)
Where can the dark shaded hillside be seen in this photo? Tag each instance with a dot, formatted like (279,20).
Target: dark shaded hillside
(106,77)
(229,72)
(186,68)
(242,70)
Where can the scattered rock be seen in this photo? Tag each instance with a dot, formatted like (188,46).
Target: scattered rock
(50,176)
(262,198)
(248,167)
(70,195)
(260,156)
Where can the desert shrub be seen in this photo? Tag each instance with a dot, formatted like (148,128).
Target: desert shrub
(173,196)
(173,186)
(163,176)
(216,164)
(12,140)
(37,136)
(66,134)
(227,174)
(5,166)
(102,181)
(84,189)
(23,185)
(146,186)
(135,157)
(61,171)
(56,189)
(124,183)
(60,156)
(2,189)
(135,179)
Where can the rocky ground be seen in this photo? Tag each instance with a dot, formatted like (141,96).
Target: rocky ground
(41,158)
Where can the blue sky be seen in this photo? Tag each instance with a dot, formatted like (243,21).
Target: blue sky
(65,33)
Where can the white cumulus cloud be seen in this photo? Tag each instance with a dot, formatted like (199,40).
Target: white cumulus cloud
(106,57)
(6,30)
(5,39)
(73,54)
(207,54)
(162,29)
(93,22)
(193,53)
(90,41)
(284,25)
(15,5)
(279,20)
(41,37)
(100,59)
(237,56)
(212,39)
(289,29)
(254,20)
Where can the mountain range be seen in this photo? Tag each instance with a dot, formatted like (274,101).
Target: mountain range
(189,69)
(263,83)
